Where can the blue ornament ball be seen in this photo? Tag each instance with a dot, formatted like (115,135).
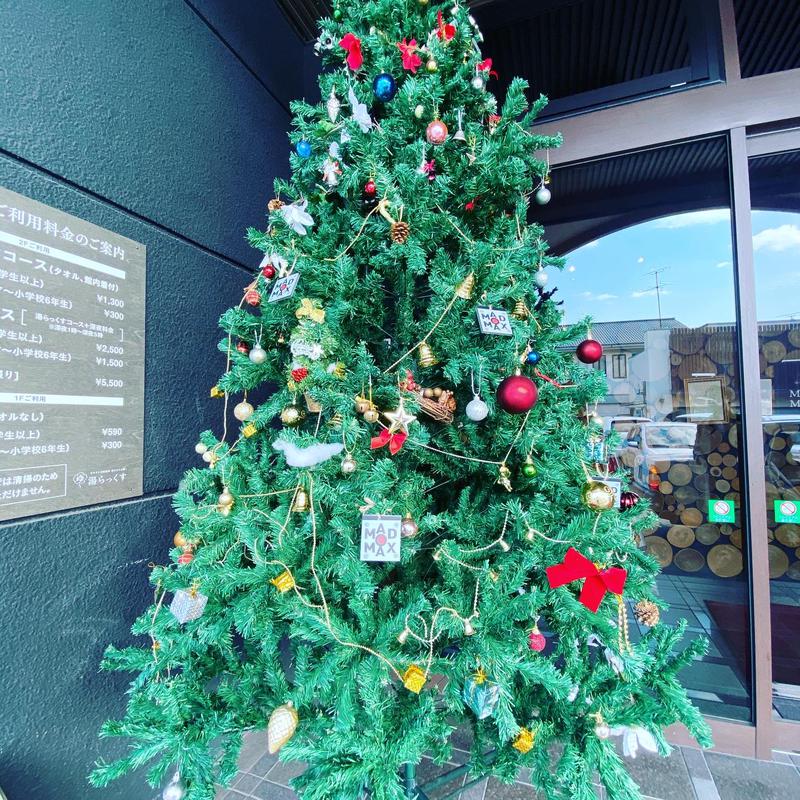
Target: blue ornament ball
(303,148)
(384,86)
(533,357)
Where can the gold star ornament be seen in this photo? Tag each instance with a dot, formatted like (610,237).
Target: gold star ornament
(400,419)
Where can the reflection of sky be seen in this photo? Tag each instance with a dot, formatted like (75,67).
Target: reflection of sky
(611,278)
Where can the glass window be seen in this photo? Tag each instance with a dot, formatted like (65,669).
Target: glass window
(775,188)
(652,266)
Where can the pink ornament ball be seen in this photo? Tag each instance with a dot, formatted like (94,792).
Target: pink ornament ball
(536,640)
(589,351)
(436,132)
(517,394)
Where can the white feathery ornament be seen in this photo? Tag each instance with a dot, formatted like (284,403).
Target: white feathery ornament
(281,727)
(634,737)
(306,456)
(333,106)
(296,216)
(360,112)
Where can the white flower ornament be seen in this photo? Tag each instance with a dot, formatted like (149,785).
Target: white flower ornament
(296,216)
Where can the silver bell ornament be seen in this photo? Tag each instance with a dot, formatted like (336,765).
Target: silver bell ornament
(477,410)
(543,195)
(243,411)
(541,278)
(175,789)
(258,355)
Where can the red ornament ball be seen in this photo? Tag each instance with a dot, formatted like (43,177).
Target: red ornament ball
(590,351)
(243,348)
(628,500)
(517,394)
(268,271)
(370,189)
(299,374)
(436,132)
(185,558)
(536,640)
(252,297)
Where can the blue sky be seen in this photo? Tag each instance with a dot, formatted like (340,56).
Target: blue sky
(611,278)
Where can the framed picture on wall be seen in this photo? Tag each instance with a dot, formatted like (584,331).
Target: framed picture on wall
(704,400)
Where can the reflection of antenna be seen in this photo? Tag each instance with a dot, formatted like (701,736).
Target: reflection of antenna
(657,288)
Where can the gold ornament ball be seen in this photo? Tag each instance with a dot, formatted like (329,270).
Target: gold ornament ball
(431,66)
(423,2)
(427,393)
(419,111)
(409,528)
(362,405)
(292,416)
(597,496)
(179,540)
(348,465)
(243,411)
(504,471)
(371,415)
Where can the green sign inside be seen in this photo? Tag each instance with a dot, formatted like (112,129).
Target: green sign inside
(721,511)
(787,511)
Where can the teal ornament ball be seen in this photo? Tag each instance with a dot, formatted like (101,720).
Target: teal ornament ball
(384,87)
(480,695)
(303,148)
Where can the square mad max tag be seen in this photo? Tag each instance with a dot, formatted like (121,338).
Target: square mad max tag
(380,537)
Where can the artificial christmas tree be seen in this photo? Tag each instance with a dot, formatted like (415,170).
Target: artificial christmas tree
(415,531)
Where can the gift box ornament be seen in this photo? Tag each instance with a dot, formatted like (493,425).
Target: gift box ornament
(188,604)
(480,695)
(414,679)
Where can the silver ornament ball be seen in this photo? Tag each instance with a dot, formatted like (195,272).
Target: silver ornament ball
(175,790)
(208,456)
(243,411)
(543,196)
(478,82)
(348,465)
(258,355)
(200,448)
(602,731)
(477,410)
(541,278)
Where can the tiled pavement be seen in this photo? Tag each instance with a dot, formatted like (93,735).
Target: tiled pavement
(688,774)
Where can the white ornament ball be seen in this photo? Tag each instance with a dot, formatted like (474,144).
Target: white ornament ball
(477,410)
(200,448)
(208,456)
(348,465)
(243,411)
(419,111)
(258,355)
(543,196)
(478,82)
(602,731)
(175,790)
(541,278)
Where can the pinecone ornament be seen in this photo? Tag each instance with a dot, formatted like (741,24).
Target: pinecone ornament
(275,204)
(399,232)
(647,613)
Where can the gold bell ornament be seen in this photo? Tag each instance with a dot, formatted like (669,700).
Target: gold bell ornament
(521,310)
(281,727)
(300,502)
(466,287)
(425,356)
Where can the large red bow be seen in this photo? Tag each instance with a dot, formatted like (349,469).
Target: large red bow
(411,61)
(576,566)
(352,44)
(486,66)
(394,440)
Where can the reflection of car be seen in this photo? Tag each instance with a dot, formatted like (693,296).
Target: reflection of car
(653,442)
(622,426)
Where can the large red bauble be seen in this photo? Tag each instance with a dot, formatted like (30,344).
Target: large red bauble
(590,351)
(517,394)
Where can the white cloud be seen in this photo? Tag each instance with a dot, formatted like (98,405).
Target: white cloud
(784,237)
(648,293)
(571,268)
(723,264)
(606,296)
(640,260)
(712,216)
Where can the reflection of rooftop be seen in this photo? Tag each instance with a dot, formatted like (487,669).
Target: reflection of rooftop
(629,332)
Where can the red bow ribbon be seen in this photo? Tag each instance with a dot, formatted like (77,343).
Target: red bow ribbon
(352,44)
(575,567)
(486,66)
(394,440)
(445,31)
(411,61)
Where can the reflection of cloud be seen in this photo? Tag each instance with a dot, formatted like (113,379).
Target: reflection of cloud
(723,264)
(649,293)
(571,268)
(784,237)
(710,217)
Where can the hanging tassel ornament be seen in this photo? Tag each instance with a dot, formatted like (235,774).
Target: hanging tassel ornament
(281,727)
